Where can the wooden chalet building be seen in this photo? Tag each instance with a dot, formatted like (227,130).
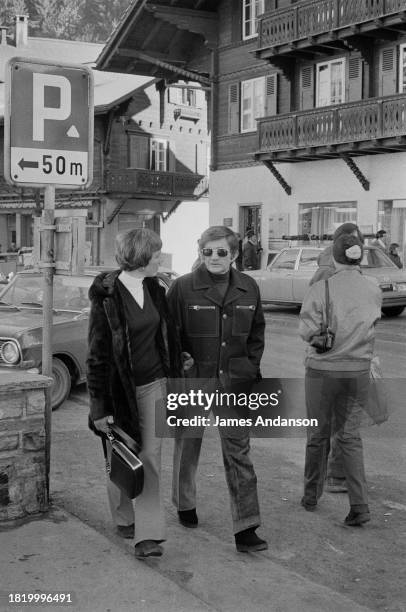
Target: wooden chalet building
(151,153)
(308,105)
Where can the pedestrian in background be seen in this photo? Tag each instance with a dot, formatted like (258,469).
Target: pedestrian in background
(221,325)
(250,258)
(239,258)
(337,380)
(335,471)
(394,254)
(132,349)
(379,240)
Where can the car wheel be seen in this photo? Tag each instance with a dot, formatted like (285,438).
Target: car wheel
(62,383)
(393,311)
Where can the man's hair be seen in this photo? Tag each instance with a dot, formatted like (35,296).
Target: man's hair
(217,232)
(380,233)
(135,248)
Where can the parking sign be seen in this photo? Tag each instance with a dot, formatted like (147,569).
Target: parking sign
(48,129)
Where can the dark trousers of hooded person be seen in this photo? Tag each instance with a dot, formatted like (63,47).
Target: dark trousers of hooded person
(335,399)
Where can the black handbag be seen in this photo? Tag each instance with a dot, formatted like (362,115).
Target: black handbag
(125,468)
(324,341)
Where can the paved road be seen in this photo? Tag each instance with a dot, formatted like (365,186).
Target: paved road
(365,565)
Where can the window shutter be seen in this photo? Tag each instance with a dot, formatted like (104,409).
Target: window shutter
(307,87)
(271,95)
(387,71)
(234,108)
(139,151)
(354,79)
(171,157)
(236,20)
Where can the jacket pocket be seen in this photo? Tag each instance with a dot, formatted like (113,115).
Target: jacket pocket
(243,315)
(202,321)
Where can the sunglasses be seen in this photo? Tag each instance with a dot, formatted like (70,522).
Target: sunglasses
(220,252)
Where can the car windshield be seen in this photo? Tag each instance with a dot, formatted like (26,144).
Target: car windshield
(375,258)
(26,291)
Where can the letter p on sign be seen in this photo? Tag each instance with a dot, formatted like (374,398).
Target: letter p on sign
(40,111)
(48,124)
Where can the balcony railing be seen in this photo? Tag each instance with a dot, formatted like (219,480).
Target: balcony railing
(313,17)
(170,184)
(369,122)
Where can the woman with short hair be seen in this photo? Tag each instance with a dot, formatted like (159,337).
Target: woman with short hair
(132,350)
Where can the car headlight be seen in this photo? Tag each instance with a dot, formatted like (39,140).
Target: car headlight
(401,286)
(10,352)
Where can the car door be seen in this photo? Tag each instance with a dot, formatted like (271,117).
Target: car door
(276,285)
(304,273)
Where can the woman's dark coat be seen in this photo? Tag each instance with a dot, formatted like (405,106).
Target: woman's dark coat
(109,368)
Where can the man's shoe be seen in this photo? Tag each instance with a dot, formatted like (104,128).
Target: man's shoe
(307,506)
(336,485)
(147,548)
(248,541)
(188,518)
(126,531)
(355,519)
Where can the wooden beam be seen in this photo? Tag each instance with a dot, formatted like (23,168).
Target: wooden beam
(270,165)
(356,171)
(150,59)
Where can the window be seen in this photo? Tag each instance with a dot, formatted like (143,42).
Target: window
(286,260)
(330,83)
(308,259)
(182,95)
(158,158)
(251,9)
(324,218)
(252,103)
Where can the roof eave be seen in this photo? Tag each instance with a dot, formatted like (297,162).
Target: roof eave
(129,17)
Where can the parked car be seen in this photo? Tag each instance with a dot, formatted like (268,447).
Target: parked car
(286,279)
(21,326)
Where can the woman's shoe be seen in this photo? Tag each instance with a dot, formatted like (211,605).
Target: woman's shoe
(148,548)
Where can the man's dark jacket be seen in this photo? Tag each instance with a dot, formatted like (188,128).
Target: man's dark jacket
(109,368)
(225,338)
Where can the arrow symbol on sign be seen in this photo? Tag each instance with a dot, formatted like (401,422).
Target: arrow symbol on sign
(27,164)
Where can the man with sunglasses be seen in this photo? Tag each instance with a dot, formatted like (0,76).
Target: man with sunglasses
(221,325)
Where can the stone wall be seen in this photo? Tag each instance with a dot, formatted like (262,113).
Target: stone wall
(22,444)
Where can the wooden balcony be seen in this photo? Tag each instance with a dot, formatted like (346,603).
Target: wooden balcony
(376,125)
(167,185)
(311,23)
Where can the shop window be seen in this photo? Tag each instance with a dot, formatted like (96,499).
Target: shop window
(324,218)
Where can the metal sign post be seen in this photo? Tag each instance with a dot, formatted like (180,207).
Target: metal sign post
(48,142)
(47,264)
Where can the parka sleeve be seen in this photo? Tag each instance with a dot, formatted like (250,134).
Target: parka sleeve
(98,362)
(311,313)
